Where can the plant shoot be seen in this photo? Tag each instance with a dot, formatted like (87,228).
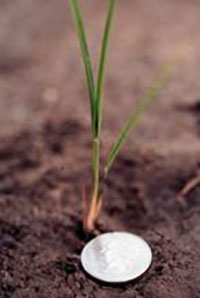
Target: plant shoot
(95,90)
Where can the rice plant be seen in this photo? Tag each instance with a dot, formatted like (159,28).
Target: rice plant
(95,88)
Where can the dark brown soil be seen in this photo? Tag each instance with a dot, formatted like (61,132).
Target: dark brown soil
(45,147)
(40,211)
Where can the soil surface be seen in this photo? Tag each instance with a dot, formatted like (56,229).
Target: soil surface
(45,148)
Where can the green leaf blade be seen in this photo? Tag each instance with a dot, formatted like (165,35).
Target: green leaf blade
(102,65)
(81,35)
(159,82)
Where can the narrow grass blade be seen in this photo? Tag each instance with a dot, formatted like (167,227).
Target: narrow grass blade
(102,65)
(85,54)
(158,83)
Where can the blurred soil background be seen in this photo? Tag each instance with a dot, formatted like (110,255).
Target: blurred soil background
(45,145)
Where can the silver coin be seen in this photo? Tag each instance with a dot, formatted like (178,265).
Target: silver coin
(116,257)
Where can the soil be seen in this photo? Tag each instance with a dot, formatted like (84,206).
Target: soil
(41,237)
(45,149)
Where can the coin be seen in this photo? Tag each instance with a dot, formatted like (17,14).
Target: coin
(116,257)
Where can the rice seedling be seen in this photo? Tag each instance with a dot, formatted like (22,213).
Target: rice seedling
(95,89)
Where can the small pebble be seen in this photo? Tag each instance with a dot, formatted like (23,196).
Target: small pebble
(70,269)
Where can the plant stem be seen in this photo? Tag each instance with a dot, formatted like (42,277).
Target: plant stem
(93,210)
(96,200)
(95,166)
